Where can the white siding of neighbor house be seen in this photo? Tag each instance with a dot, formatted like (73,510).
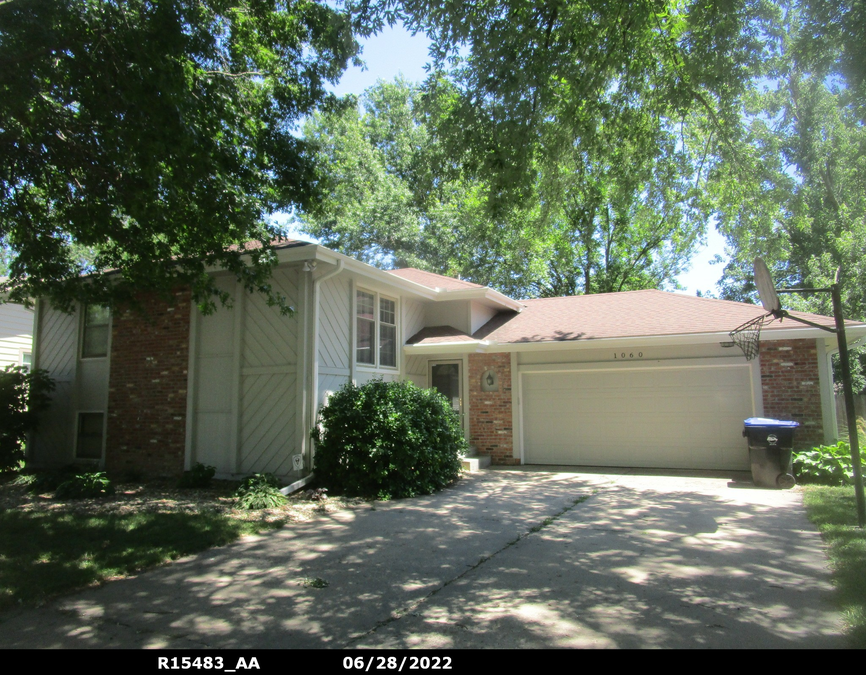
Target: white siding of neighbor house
(246,388)
(16,333)
(56,348)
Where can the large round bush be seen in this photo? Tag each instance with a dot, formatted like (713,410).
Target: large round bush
(388,440)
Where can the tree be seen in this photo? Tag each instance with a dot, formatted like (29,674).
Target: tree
(394,199)
(519,83)
(158,135)
(794,191)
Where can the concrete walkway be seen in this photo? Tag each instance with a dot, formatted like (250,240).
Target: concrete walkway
(506,559)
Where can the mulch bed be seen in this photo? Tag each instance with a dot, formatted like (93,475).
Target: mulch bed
(164,496)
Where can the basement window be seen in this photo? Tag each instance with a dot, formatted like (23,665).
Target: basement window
(89,441)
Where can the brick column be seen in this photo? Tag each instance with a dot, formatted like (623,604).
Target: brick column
(490,427)
(791,388)
(147,387)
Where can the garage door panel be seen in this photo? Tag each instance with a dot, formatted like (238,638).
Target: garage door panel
(667,417)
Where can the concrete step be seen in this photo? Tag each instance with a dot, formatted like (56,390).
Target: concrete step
(475,463)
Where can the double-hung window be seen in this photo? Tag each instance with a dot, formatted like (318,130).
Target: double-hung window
(94,342)
(376,329)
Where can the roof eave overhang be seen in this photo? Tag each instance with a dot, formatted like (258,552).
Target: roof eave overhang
(462,347)
(856,331)
(486,295)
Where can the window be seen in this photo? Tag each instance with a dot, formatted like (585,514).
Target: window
(26,359)
(376,323)
(96,329)
(89,445)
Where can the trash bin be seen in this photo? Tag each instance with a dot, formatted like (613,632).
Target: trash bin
(770,444)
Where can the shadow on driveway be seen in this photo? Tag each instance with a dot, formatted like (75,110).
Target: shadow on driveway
(504,559)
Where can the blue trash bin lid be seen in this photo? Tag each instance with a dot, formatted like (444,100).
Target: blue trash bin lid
(771,423)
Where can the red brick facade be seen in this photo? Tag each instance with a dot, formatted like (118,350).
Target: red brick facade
(490,427)
(147,387)
(789,380)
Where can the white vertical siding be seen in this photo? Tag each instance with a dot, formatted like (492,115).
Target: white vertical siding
(212,441)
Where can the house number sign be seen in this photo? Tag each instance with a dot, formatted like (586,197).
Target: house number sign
(620,356)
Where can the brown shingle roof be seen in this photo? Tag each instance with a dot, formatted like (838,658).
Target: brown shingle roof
(628,314)
(432,280)
(439,334)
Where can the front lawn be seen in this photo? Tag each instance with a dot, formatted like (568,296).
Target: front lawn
(833,511)
(49,546)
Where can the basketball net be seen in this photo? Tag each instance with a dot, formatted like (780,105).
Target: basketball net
(748,336)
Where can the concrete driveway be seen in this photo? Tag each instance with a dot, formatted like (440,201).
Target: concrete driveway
(506,559)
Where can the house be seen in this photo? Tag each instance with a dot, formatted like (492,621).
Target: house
(641,378)
(16,335)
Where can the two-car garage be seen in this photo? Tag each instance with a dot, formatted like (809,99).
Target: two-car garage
(670,414)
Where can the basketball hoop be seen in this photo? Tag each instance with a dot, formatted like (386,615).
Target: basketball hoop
(748,336)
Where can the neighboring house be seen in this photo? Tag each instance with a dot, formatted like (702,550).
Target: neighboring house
(16,335)
(642,378)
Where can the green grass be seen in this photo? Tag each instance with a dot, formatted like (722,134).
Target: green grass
(44,554)
(834,512)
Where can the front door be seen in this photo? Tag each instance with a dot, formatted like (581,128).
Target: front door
(445,377)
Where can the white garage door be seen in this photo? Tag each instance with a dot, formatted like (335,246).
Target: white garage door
(667,417)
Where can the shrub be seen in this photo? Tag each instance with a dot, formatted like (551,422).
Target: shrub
(24,395)
(259,491)
(261,497)
(49,481)
(388,440)
(199,476)
(826,464)
(84,486)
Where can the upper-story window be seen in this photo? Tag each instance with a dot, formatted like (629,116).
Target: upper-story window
(94,341)
(376,322)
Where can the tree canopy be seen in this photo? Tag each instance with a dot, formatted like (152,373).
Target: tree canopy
(158,136)
(621,211)
(793,188)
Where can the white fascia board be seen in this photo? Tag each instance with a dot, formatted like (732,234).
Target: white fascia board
(326,255)
(463,347)
(659,340)
(486,295)
(368,271)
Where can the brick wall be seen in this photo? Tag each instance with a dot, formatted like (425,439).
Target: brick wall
(789,379)
(490,427)
(147,387)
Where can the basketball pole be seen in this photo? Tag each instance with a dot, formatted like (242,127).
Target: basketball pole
(847,386)
(853,439)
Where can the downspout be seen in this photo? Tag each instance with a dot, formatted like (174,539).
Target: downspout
(314,361)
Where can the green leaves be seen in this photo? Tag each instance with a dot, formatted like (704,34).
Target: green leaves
(387,440)
(25,395)
(159,136)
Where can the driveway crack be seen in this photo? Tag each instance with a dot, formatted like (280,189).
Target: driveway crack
(412,608)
